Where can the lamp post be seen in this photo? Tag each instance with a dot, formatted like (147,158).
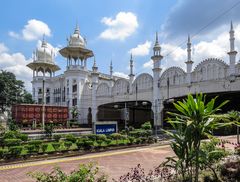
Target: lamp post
(43,105)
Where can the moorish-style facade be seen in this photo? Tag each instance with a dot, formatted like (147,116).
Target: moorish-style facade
(91,90)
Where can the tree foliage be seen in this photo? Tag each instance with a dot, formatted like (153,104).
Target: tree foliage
(12,91)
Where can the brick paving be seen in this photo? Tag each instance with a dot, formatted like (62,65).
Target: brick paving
(113,163)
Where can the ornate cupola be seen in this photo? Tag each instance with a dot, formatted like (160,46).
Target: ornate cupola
(43,60)
(76,51)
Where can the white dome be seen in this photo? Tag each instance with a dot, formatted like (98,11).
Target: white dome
(44,53)
(76,40)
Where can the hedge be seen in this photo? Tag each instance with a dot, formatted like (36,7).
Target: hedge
(12,142)
(15,151)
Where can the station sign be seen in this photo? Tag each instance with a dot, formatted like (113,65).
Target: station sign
(105,127)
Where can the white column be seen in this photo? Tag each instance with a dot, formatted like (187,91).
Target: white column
(85,64)
(94,104)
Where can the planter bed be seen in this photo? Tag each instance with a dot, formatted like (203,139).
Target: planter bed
(55,155)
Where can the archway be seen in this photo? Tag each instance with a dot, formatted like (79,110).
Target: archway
(138,113)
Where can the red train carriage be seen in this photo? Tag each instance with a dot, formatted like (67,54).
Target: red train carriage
(26,113)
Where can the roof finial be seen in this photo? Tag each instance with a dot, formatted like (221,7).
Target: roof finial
(94,63)
(44,43)
(77,30)
(111,68)
(156,37)
(189,39)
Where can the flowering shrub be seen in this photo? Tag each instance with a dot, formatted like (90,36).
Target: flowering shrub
(137,174)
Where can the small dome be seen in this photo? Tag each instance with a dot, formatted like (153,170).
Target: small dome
(76,40)
(44,53)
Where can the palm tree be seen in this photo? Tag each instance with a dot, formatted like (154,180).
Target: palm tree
(194,121)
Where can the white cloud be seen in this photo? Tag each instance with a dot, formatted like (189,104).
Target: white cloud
(141,49)
(148,64)
(120,74)
(121,27)
(3,48)
(16,63)
(33,30)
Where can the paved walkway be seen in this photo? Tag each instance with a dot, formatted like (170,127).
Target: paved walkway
(113,163)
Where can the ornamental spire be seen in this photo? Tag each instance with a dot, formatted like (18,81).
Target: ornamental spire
(44,43)
(131,66)
(111,69)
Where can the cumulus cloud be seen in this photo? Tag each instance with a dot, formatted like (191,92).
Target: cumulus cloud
(33,30)
(3,48)
(120,74)
(190,16)
(16,63)
(148,64)
(120,27)
(141,49)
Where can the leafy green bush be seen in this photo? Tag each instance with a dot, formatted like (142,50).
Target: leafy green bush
(92,137)
(56,146)
(131,139)
(108,141)
(116,136)
(44,147)
(80,143)
(71,138)
(12,142)
(36,144)
(88,144)
(57,137)
(101,137)
(15,134)
(15,151)
(140,133)
(2,153)
(146,126)
(30,148)
(85,173)
(67,144)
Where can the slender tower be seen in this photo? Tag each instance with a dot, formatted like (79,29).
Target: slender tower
(111,75)
(189,61)
(157,57)
(95,75)
(232,53)
(131,75)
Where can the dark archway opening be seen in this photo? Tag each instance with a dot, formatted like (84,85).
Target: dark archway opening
(234,104)
(139,112)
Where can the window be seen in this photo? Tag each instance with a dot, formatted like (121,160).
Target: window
(74,88)
(74,102)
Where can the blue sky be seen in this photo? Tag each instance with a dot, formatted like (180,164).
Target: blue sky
(129,26)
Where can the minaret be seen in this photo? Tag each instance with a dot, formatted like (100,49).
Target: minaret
(157,57)
(111,70)
(131,75)
(111,76)
(232,53)
(189,61)
(95,76)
